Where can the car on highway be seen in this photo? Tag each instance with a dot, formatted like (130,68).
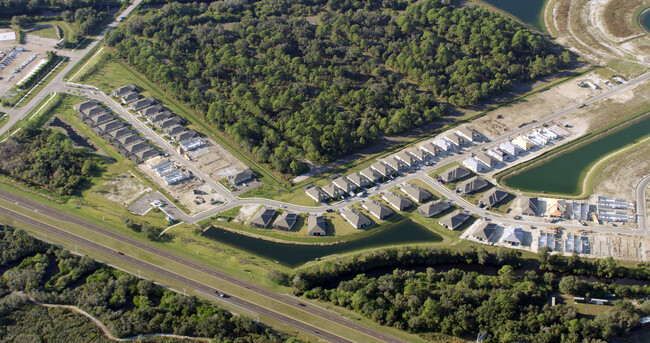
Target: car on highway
(301,304)
(120,253)
(222,294)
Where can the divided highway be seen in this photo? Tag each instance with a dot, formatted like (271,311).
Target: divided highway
(287,300)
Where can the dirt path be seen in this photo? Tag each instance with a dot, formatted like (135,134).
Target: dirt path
(101,326)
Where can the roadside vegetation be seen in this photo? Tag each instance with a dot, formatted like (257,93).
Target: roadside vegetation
(47,160)
(126,305)
(79,18)
(291,90)
(467,292)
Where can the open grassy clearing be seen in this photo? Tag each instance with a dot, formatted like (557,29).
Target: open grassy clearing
(618,16)
(45,32)
(619,107)
(619,176)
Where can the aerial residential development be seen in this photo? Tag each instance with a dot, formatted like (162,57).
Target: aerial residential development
(340,171)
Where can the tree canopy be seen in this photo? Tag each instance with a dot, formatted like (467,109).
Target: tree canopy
(288,90)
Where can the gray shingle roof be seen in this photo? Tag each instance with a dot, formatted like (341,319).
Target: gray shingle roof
(263,218)
(377,209)
(454,220)
(317,226)
(397,201)
(285,221)
(472,185)
(433,208)
(454,174)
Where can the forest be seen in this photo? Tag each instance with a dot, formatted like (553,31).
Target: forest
(509,305)
(36,7)
(126,305)
(48,160)
(287,90)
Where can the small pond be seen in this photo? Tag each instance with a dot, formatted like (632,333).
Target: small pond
(293,255)
(529,11)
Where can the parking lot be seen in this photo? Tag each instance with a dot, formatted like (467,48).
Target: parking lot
(34,48)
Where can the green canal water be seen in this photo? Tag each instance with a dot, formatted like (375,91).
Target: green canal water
(293,255)
(563,174)
(528,11)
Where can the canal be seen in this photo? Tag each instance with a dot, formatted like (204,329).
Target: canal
(293,255)
(529,11)
(564,173)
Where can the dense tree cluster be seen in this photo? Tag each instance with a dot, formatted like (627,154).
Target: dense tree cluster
(128,306)
(508,307)
(511,306)
(286,89)
(47,160)
(31,7)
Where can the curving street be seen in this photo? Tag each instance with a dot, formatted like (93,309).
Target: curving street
(641,204)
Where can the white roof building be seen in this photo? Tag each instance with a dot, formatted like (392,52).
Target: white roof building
(510,148)
(474,165)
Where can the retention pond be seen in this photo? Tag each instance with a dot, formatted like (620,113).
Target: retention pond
(528,11)
(644,20)
(564,172)
(293,255)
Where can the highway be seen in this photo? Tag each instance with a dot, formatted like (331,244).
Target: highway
(132,244)
(58,85)
(641,204)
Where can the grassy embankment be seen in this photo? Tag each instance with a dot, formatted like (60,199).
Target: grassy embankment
(589,173)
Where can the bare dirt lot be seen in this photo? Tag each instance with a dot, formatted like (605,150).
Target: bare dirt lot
(246,213)
(32,44)
(600,31)
(611,110)
(620,176)
(193,193)
(123,189)
(621,247)
(537,106)
(217,162)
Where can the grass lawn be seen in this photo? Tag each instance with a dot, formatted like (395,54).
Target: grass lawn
(441,169)
(65,28)
(473,198)
(46,32)
(505,205)
(423,185)
(248,272)
(114,73)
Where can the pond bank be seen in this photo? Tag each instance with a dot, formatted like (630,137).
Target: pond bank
(291,255)
(564,171)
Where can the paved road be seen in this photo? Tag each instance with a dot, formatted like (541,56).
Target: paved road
(422,174)
(641,204)
(135,244)
(57,83)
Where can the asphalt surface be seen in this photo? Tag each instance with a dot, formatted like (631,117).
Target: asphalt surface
(133,243)
(641,204)
(57,83)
